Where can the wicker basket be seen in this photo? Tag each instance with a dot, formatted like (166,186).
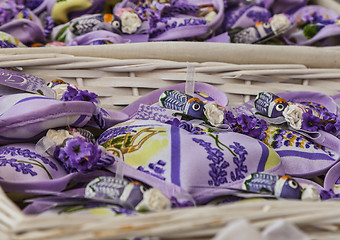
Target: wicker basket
(120,74)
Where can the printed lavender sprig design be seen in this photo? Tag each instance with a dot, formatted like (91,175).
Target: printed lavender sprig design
(19,166)
(14,151)
(239,160)
(218,165)
(25,166)
(239,156)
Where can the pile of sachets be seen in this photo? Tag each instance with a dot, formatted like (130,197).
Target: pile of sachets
(36,23)
(61,152)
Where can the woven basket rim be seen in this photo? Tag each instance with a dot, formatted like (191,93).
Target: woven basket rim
(317,57)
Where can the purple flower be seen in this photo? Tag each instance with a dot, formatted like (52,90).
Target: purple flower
(246,122)
(258,131)
(229,118)
(330,127)
(310,122)
(69,94)
(73,94)
(85,96)
(328,116)
(74,147)
(325,195)
(77,154)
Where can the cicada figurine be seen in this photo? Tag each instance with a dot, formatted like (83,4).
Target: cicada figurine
(279,186)
(119,191)
(188,105)
(89,23)
(262,32)
(271,106)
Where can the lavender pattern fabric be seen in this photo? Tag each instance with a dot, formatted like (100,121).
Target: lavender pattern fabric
(20,163)
(159,149)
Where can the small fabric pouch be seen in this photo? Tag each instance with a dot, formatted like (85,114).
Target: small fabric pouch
(21,169)
(214,160)
(20,163)
(130,28)
(245,16)
(303,153)
(314,25)
(24,171)
(24,116)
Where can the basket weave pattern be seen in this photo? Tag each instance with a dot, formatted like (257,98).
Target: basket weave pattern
(119,82)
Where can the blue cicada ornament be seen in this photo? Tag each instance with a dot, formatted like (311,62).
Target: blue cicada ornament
(113,190)
(271,106)
(89,23)
(279,186)
(188,105)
